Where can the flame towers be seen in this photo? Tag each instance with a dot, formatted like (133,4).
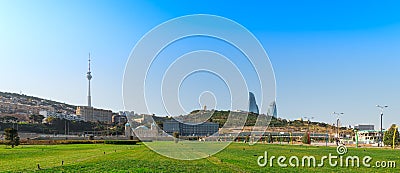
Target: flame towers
(272,111)
(253,107)
(252,103)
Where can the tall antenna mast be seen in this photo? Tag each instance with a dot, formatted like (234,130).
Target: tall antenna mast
(89,61)
(89,77)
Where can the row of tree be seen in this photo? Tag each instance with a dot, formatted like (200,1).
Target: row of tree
(390,137)
(54,126)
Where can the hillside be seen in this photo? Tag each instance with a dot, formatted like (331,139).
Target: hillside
(34,101)
(275,124)
(196,116)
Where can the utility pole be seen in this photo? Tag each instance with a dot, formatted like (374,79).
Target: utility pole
(337,126)
(327,135)
(65,127)
(381,132)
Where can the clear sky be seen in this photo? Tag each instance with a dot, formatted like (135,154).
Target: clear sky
(327,56)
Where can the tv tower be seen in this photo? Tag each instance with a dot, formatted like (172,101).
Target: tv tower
(89,77)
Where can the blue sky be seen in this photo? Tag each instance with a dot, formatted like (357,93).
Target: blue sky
(327,56)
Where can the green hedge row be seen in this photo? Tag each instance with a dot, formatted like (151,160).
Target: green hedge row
(79,141)
(55,142)
(120,142)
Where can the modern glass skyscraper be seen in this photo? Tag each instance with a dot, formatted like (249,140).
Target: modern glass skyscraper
(272,111)
(252,104)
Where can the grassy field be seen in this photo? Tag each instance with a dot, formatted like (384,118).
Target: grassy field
(238,157)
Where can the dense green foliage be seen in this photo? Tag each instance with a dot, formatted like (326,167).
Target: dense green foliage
(57,126)
(11,137)
(388,136)
(221,117)
(36,118)
(306,139)
(8,119)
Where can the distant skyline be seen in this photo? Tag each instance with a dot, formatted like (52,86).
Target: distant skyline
(327,56)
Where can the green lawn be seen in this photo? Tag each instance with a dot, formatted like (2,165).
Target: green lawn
(238,157)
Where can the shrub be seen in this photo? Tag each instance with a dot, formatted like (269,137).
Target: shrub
(388,136)
(120,142)
(176,136)
(55,142)
(305,139)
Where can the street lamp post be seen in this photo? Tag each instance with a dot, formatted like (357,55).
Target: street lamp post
(327,135)
(381,133)
(308,128)
(337,126)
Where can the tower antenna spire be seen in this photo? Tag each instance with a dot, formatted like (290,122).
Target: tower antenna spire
(89,77)
(89,61)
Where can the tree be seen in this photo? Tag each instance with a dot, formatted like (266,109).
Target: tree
(388,136)
(305,139)
(270,139)
(9,119)
(176,136)
(49,120)
(36,118)
(11,135)
(247,138)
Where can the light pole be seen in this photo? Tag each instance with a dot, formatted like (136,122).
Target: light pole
(381,134)
(327,135)
(337,125)
(308,128)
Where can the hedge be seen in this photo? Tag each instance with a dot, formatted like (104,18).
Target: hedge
(120,142)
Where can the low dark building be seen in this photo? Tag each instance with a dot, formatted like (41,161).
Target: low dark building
(202,129)
(119,119)
(362,127)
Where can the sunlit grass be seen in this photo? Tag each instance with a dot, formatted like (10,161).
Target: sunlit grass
(238,157)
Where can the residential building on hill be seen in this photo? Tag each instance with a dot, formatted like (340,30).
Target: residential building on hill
(88,113)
